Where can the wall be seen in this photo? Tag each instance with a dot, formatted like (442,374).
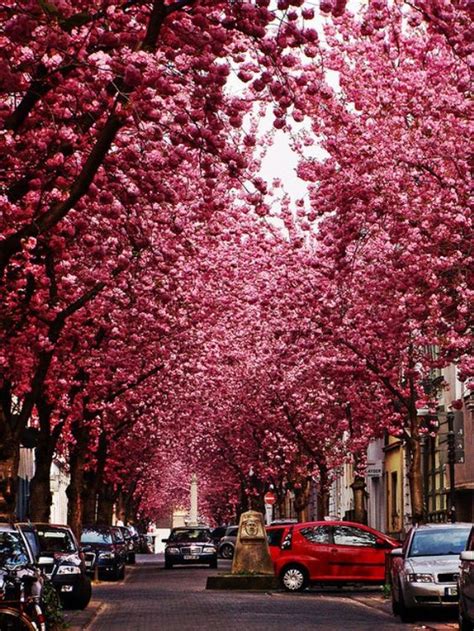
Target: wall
(376,509)
(59,483)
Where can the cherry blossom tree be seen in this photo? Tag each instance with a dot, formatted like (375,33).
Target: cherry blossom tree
(112,115)
(392,198)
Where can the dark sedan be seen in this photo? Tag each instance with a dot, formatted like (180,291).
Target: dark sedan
(59,557)
(104,547)
(190,546)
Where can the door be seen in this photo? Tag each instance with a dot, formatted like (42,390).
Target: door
(312,546)
(357,556)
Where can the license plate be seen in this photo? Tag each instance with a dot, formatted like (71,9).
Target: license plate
(190,557)
(88,563)
(451,591)
(67,588)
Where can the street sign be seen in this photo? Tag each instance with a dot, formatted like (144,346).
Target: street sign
(375,469)
(269,498)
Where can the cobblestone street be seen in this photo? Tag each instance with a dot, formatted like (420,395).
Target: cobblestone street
(152,598)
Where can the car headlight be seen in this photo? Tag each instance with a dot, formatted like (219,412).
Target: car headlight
(69,569)
(208,550)
(420,578)
(106,555)
(172,550)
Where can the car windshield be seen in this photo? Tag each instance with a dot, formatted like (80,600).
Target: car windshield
(96,536)
(190,534)
(55,540)
(12,550)
(442,542)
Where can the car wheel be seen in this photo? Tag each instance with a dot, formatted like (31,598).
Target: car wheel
(227,551)
(168,565)
(464,623)
(81,595)
(406,614)
(294,578)
(131,558)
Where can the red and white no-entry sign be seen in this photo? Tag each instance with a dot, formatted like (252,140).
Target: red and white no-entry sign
(269,498)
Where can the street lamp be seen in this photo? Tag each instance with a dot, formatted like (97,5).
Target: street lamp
(451,465)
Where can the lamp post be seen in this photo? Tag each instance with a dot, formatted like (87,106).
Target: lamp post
(451,466)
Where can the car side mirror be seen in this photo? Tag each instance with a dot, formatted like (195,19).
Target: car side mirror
(467,555)
(396,552)
(381,543)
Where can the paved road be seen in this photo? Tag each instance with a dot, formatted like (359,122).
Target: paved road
(152,598)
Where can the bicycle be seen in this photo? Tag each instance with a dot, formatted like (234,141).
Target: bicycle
(19,605)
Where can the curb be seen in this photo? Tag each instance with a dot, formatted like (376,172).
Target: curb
(80,620)
(379,603)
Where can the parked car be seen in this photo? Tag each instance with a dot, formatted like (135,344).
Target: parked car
(15,550)
(226,546)
(466,586)
(283,522)
(425,570)
(132,542)
(20,580)
(17,561)
(328,552)
(190,545)
(104,547)
(218,533)
(59,557)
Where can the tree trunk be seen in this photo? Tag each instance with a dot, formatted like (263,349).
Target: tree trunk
(75,489)
(105,505)
(281,503)
(41,497)
(121,506)
(358,490)
(9,459)
(9,455)
(414,470)
(322,498)
(301,499)
(89,497)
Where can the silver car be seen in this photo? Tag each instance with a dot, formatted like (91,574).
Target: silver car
(466,586)
(424,572)
(227,543)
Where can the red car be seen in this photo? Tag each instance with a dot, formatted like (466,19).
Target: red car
(334,552)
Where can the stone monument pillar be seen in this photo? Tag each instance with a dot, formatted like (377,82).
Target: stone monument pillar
(252,567)
(252,555)
(193,513)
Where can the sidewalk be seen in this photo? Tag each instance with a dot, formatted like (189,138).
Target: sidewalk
(377,601)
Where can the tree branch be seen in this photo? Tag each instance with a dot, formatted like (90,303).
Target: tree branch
(50,218)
